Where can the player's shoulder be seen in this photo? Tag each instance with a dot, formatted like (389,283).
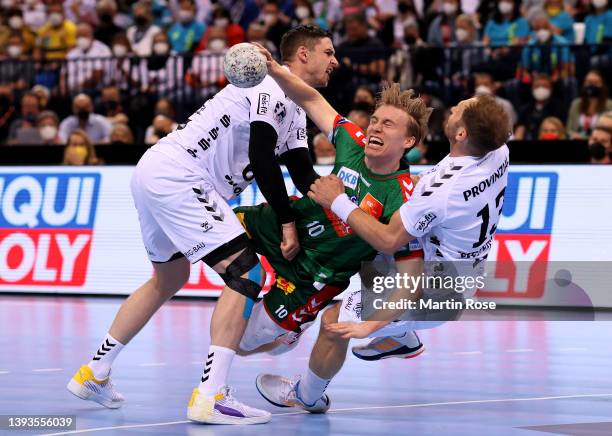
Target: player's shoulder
(344,128)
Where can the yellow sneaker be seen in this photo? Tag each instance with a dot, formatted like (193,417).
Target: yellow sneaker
(84,385)
(223,408)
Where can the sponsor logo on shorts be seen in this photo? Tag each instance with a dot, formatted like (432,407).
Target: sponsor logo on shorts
(199,246)
(284,285)
(425,221)
(263,103)
(206,226)
(349,177)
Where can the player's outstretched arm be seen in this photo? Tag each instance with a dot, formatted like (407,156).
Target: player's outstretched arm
(305,96)
(329,192)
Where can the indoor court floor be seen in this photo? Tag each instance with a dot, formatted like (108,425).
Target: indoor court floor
(485,378)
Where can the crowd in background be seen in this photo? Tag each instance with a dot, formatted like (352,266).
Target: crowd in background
(83,72)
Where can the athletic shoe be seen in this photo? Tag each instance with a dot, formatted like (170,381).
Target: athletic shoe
(405,347)
(84,385)
(223,408)
(283,392)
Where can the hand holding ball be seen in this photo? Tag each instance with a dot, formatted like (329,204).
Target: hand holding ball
(244,65)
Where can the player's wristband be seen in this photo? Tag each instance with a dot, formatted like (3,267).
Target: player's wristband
(343,206)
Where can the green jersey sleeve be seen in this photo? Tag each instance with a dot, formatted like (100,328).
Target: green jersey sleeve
(348,138)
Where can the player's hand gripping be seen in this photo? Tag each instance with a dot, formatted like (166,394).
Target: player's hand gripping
(355,330)
(273,66)
(325,190)
(290,246)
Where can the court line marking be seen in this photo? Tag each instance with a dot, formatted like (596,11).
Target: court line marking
(153,364)
(5,372)
(47,369)
(353,409)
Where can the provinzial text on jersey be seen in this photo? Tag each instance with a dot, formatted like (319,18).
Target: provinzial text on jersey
(482,186)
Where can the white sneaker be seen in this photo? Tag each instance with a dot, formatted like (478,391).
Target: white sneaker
(282,392)
(223,408)
(84,385)
(406,346)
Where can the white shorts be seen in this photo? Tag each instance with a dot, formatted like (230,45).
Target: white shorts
(261,329)
(179,210)
(350,311)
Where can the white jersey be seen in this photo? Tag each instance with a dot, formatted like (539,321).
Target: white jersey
(456,206)
(215,140)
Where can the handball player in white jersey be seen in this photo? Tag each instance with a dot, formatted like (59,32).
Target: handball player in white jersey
(181,187)
(453,212)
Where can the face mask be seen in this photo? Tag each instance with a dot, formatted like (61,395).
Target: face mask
(83,42)
(159,133)
(505,7)
(269,19)
(78,154)
(302,12)
(111,105)
(414,155)
(592,91)
(83,114)
(462,35)
(161,48)
(326,160)
(221,22)
(56,19)
(119,50)
(549,136)
(185,16)
(541,93)
(14,51)
(140,20)
(217,45)
(600,4)
(543,35)
(483,90)
(597,150)
(449,8)
(15,22)
(47,133)
(403,8)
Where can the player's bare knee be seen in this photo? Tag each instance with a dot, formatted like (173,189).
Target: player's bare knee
(330,316)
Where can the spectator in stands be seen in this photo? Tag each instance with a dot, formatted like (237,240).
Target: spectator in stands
(81,11)
(161,126)
(162,14)
(303,13)
(327,13)
(142,33)
(106,29)
(111,107)
(7,111)
(43,95)
(34,14)
(162,74)
(96,126)
(484,85)
(48,127)
(600,144)
(58,35)
(552,129)
(277,23)
(257,33)
(359,117)
(598,23)
(79,150)
(234,34)
(542,105)
(605,120)
(121,135)
(18,26)
(506,27)
(324,151)
(364,99)
(86,63)
(164,107)
(468,57)
(186,33)
(585,110)
(561,22)
(546,53)
(206,75)
(13,68)
(23,130)
(442,28)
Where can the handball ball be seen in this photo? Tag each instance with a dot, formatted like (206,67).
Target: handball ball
(244,65)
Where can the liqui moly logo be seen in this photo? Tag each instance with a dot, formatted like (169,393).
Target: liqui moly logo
(46,227)
(517,262)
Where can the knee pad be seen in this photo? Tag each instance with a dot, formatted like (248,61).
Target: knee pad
(247,261)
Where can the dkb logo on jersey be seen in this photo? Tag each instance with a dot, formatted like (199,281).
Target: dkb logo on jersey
(46,223)
(522,243)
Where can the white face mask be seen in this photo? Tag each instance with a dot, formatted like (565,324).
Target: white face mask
(15,22)
(483,90)
(269,19)
(462,35)
(83,42)
(185,16)
(7,4)
(161,48)
(449,8)
(119,50)
(541,93)
(505,7)
(14,51)
(47,133)
(302,12)
(221,22)
(326,160)
(56,19)
(543,35)
(600,3)
(217,45)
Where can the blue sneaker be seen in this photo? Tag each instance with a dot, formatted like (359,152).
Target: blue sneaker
(405,347)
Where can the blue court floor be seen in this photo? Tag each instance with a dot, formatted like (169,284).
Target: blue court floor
(485,378)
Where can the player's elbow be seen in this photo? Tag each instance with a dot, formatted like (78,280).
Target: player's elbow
(389,243)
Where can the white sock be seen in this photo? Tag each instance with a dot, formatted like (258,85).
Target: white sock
(103,359)
(312,387)
(217,367)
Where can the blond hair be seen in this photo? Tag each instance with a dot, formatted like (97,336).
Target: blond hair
(413,106)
